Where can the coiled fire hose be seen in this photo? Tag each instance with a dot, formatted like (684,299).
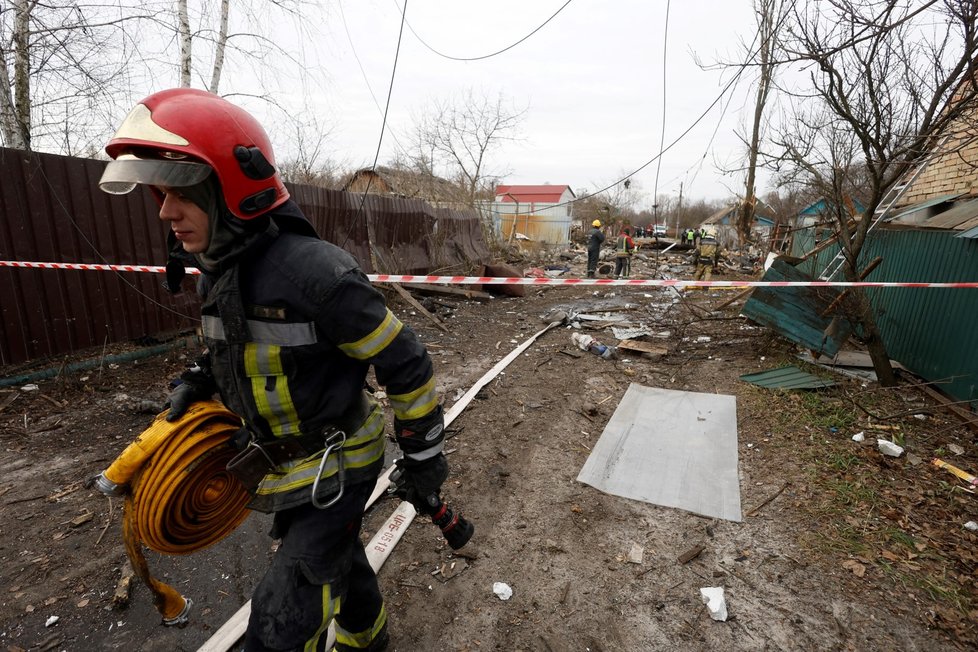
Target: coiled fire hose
(179,497)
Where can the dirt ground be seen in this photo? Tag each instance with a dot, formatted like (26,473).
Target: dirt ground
(840,548)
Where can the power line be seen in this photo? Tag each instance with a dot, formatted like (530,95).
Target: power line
(383,126)
(363,73)
(492,54)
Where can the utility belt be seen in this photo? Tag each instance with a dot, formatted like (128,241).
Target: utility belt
(259,458)
(704,261)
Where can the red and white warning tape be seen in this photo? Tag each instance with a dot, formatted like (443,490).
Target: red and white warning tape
(494,280)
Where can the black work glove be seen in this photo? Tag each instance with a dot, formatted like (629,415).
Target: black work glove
(420,481)
(196,384)
(424,465)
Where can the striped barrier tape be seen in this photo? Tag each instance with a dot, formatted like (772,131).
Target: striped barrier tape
(495,280)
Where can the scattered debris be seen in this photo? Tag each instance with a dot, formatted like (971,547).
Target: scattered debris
(51,620)
(971,525)
(764,502)
(29,388)
(859,437)
(120,597)
(954,448)
(889,448)
(691,554)
(715,603)
(789,377)
(635,554)
(855,567)
(451,568)
(964,475)
(502,590)
(588,343)
(643,348)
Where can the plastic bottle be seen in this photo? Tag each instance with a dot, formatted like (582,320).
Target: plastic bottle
(588,343)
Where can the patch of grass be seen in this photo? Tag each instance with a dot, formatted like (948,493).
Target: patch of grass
(825,411)
(848,494)
(938,587)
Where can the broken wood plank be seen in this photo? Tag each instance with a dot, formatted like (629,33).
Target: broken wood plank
(691,554)
(120,597)
(645,348)
(417,306)
(425,288)
(969,419)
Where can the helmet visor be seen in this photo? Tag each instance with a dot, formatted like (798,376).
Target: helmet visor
(122,174)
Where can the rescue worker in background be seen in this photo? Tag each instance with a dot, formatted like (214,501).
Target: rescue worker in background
(594,241)
(291,325)
(707,254)
(690,236)
(624,247)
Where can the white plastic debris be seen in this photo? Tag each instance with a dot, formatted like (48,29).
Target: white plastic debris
(29,388)
(954,448)
(715,602)
(971,525)
(922,417)
(859,436)
(50,621)
(889,448)
(502,590)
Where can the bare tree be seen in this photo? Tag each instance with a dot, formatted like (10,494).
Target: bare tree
(60,64)
(770,16)
(884,85)
(459,136)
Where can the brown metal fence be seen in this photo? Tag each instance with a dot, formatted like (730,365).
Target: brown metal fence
(52,211)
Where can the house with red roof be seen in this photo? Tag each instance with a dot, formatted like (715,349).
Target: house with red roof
(539,213)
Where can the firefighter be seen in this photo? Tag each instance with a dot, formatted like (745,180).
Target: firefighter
(707,254)
(624,247)
(594,241)
(291,325)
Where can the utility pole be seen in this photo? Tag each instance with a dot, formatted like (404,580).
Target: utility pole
(679,208)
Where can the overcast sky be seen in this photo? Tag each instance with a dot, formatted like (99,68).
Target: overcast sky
(592,80)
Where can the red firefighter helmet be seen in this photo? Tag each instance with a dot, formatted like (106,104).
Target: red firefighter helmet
(176,137)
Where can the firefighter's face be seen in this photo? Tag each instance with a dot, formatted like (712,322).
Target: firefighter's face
(189,223)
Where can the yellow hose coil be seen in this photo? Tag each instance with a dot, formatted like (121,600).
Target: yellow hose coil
(181,498)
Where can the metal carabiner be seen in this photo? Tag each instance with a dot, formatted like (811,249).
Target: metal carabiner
(333,443)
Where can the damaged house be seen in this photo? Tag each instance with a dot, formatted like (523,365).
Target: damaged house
(930,235)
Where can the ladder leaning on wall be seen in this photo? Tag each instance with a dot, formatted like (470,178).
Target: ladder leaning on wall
(892,196)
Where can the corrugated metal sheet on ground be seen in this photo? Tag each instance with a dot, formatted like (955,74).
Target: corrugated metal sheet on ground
(670,448)
(796,312)
(790,377)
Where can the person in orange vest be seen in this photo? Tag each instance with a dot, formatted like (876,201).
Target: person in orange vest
(624,247)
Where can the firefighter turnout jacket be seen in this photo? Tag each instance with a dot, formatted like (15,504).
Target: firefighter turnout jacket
(292,328)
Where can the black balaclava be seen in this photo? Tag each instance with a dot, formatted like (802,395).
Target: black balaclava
(229,235)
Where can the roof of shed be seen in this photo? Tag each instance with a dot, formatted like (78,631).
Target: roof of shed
(545,194)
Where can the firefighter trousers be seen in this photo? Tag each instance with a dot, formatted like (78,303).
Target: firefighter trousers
(320,573)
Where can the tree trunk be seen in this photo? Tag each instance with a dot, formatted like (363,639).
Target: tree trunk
(185,43)
(22,74)
(222,39)
(873,339)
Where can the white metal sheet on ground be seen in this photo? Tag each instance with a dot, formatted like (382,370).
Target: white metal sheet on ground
(669,448)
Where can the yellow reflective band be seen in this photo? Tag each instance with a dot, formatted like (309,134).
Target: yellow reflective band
(330,609)
(415,404)
(363,449)
(376,341)
(270,388)
(362,640)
